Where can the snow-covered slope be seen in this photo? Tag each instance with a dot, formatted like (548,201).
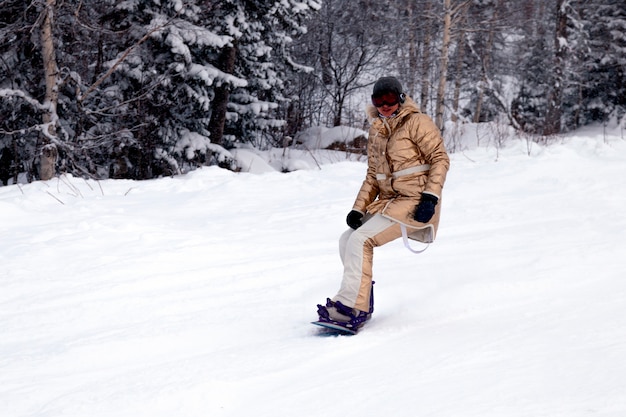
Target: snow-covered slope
(191,296)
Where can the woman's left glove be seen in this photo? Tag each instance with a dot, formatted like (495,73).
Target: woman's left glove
(426,208)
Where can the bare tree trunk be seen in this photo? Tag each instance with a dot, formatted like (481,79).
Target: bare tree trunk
(443,70)
(222,95)
(425,88)
(460,53)
(49,152)
(412,70)
(325,48)
(553,116)
(339,110)
(486,62)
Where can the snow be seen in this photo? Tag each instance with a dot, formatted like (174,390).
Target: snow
(208,74)
(288,159)
(192,295)
(321,137)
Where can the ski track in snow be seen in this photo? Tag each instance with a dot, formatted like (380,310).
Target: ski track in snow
(191,296)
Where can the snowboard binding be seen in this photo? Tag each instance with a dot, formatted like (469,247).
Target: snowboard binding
(335,313)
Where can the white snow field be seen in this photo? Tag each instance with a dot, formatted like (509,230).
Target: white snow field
(192,296)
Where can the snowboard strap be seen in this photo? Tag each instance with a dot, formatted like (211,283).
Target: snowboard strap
(405,239)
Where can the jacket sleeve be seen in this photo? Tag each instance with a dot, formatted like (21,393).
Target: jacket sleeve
(369,189)
(430,143)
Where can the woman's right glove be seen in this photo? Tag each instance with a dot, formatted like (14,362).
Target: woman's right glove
(354,219)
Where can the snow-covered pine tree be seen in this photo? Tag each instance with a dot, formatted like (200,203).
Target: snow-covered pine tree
(604,90)
(490,28)
(21,69)
(260,53)
(573,65)
(162,78)
(534,59)
(139,80)
(209,75)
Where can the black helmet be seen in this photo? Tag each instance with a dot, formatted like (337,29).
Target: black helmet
(388,85)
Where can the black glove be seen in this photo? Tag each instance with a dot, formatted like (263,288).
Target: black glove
(426,208)
(354,219)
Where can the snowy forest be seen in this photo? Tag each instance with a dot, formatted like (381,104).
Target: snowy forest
(145,88)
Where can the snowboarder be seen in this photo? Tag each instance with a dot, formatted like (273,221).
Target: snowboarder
(400,197)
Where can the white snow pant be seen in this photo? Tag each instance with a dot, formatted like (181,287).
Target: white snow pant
(356,248)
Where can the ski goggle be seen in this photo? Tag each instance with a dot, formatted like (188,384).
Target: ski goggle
(387,99)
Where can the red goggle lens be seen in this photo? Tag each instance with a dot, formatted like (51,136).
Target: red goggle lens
(387,99)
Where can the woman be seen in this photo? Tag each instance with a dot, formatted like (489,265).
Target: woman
(401,193)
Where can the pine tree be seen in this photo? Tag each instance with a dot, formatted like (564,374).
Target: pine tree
(21,72)
(163,84)
(604,90)
(534,60)
(260,53)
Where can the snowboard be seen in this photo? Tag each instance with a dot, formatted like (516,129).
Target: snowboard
(331,328)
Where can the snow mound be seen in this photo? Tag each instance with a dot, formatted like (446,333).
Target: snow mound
(249,161)
(321,138)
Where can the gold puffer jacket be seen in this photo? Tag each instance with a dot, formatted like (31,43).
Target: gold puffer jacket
(406,157)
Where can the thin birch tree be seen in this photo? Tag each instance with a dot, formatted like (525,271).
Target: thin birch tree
(49,152)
